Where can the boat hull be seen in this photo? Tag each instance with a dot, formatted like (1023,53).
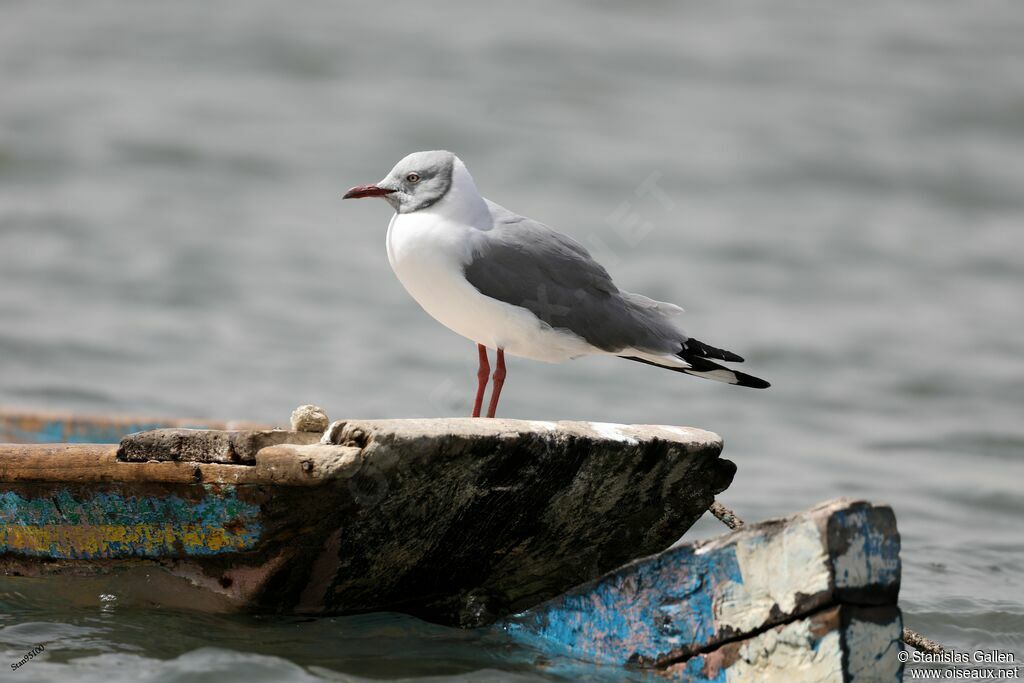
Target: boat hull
(458,521)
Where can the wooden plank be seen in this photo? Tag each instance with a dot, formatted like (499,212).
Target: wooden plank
(286,465)
(670,606)
(207,445)
(125,522)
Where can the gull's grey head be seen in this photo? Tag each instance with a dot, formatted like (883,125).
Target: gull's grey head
(416,182)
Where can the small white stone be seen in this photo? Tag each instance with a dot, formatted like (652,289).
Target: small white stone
(309,418)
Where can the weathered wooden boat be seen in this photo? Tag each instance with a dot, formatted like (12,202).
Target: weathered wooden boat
(459,521)
(809,598)
(530,529)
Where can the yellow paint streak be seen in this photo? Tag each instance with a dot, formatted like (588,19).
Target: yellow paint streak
(95,540)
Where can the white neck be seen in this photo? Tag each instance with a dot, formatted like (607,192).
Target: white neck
(462,202)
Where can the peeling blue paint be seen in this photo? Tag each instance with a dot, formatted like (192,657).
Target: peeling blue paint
(109,524)
(642,611)
(881,551)
(695,671)
(653,610)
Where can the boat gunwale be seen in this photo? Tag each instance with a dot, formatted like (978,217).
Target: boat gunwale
(99,464)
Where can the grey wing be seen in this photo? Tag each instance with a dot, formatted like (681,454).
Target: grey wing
(527,264)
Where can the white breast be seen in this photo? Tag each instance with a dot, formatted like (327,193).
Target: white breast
(428,253)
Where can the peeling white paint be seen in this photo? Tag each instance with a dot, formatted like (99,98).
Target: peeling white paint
(699,550)
(874,639)
(684,432)
(612,432)
(788,654)
(774,568)
(331,433)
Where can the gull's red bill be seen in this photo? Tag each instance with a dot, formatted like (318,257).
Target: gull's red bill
(360,191)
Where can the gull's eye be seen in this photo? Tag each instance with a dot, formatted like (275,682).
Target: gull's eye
(413,177)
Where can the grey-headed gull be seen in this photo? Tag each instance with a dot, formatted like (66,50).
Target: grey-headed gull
(512,284)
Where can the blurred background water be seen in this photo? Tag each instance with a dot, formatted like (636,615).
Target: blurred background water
(840,198)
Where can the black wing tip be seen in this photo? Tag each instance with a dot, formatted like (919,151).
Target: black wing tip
(745,380)
(702,365)
(695,347)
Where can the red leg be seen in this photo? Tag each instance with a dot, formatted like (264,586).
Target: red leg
(481,379)
(499,380)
